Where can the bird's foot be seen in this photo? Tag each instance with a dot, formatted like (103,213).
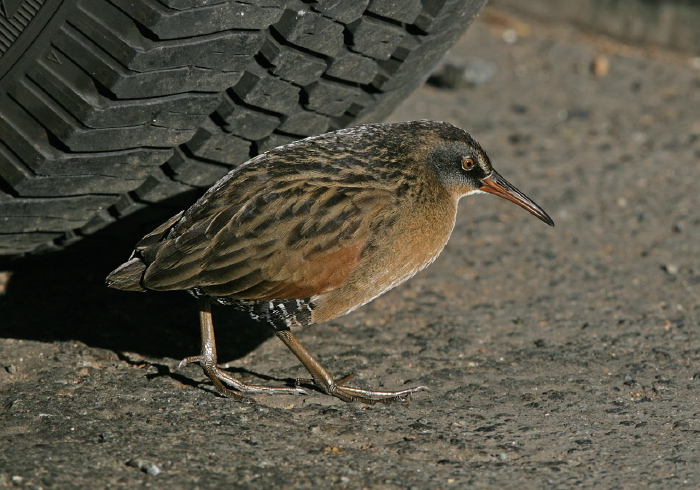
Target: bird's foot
(324,381)
(221,378)
(338,389)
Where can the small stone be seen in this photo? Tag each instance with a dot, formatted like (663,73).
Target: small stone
(135,463)
(333,451)
(671,269)
(11,368)
(145,466)
(460,73)
(510,36)
(107,436)
(4,280)
(600,66)
(151,469)
(639,137)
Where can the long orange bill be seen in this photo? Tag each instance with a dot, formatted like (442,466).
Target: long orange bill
(497,185)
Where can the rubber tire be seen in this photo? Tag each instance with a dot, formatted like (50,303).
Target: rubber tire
(114,109)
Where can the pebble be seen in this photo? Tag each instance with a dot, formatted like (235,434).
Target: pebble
(600,66)
(460,73)
(639,137)
(510,36)
(107,436)
(145,466)
(671,269)
(151,469)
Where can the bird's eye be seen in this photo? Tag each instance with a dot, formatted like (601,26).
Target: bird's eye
(468,164)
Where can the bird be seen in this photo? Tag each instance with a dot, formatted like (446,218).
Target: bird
(311,231)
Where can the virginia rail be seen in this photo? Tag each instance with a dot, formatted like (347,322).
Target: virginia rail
(310,231)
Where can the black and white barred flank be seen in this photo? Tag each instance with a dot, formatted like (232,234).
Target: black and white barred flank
(280,313)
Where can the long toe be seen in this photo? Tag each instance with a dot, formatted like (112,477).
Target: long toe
(221,379)
(350,394)
(248,388)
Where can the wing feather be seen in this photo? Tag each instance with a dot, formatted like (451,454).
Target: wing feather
(261,241)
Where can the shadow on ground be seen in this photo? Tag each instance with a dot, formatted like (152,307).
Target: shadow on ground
(63,297)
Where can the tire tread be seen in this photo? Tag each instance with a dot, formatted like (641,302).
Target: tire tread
(111,119)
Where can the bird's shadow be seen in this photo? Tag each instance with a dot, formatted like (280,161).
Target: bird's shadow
(245,375)
(62,296)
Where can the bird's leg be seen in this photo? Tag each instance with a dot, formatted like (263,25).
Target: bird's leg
(323,379)
(207,359)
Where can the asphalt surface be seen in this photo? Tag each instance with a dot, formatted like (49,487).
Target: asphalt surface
(556,357)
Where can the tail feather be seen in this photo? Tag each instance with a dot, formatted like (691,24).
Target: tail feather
(127,276)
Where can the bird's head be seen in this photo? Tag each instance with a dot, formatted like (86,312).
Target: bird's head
(463,167)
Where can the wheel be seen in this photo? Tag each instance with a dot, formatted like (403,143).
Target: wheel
(115,113)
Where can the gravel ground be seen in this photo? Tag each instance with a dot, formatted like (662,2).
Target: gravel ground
(555,357)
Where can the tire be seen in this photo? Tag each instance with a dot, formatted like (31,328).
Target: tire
(117,112)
